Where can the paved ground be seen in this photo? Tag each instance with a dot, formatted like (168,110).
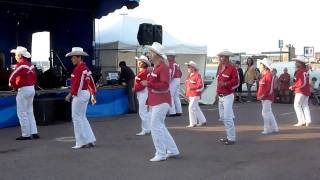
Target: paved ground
(293,154)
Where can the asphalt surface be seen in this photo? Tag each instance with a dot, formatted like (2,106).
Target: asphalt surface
(293,154)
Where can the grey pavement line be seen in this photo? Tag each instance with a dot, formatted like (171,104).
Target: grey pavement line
(214,109)
(293,112)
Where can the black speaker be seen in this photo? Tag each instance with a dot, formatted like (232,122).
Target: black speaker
(145,34)
(50,108)
(157,33)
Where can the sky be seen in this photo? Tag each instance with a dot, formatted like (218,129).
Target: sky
(250,26)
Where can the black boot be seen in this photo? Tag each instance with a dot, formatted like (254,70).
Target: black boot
(21,138)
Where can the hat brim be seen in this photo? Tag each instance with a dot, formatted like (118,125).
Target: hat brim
(157,52)
(77,53)
(299,60)
(225,53)
(26,54)
(144,60)
(192,65)
(265,64)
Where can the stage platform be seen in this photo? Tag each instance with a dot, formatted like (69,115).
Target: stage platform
(49,105)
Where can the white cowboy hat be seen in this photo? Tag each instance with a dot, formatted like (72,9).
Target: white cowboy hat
(225,53)
(300,59)
(158,49)
(267,62)
(192,64)
(77,51)
(144,59)
(21,50)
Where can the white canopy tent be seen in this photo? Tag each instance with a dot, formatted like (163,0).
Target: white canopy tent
(116,40)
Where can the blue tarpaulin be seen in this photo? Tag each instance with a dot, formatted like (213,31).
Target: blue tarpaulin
(110,102)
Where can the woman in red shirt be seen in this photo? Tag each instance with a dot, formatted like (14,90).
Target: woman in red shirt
(23,79)
(159,101)
(82,87)
(266,95)
(194,87)
(301,87)
(142,94)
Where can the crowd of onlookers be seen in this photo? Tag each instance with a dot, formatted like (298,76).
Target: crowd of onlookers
(250,76)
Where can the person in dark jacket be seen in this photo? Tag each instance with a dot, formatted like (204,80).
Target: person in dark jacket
(127,78)
(241,77)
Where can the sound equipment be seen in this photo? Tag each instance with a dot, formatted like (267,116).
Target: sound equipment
(48,109)
(145,34)
(2,58)
(52,78)
(157,33)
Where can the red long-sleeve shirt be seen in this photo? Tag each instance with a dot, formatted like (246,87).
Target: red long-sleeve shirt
(175,71)
(81,79)
(266,89)
(301,84)
(23,75)
(158,85)
(228,75)
(194,85)
(141,76)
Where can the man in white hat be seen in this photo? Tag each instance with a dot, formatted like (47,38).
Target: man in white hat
(175,77)
(227,81)
(301,87)
(266,96)
(194,87)
(82,87)
(159,101)
(142,94)
(23,79)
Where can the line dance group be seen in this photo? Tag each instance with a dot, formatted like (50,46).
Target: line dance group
(157,86)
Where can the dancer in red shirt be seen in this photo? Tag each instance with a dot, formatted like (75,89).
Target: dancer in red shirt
(301,87)
(159,101)
(82,86)
(266,95)
(175,78)
(142,94)
(23,79)
(227,81)
(194,87)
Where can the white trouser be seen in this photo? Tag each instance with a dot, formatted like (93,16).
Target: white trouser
(25,111)
(270,123)
(143,110)
(175,98)
(195,112)
(227,115)
(162,139)
(301,107)
(82,129)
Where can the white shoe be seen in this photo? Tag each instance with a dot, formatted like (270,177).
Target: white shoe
(77,147)
(158,159)
(191,126)
(298,125)
(142,133)
(265,132)
(172,155)
(308,124)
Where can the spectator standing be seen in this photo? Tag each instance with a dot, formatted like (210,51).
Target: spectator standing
(284,83)
(249,78)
